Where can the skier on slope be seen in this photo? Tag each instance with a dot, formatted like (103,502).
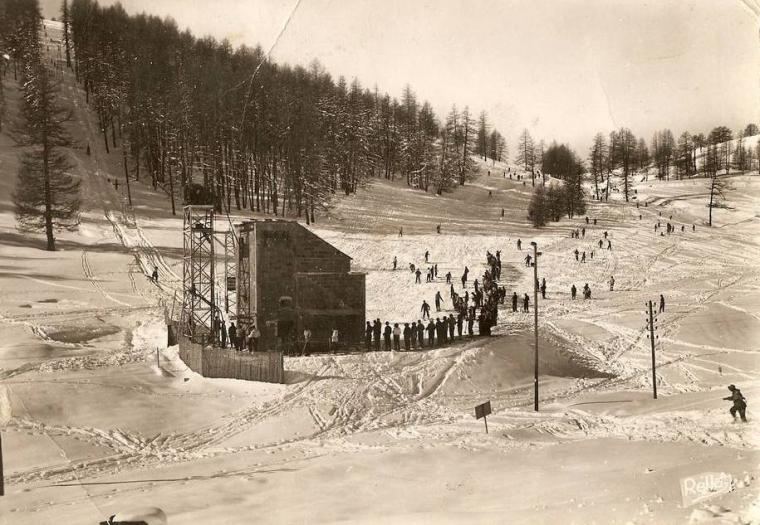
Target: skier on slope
(425,310)
(739,403)
(438,299)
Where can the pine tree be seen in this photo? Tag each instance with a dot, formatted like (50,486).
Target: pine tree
(46,196)
(538,207)
(598,161)
(525,154)
(66,40)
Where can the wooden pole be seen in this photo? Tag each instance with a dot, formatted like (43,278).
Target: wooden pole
(651,339)
(485,420)
(535,326)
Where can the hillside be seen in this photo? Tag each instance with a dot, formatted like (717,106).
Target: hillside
(106,418)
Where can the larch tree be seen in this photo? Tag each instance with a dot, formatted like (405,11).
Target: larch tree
(482,138)
(525,154)
(717,186)
(598,161)
(47,195)
(627,156)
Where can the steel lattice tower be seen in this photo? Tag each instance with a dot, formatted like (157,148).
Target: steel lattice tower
(199,304)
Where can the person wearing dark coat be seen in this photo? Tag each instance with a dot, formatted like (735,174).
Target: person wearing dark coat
(407,337)
(573,291)
(413,335)
(662,303)
(376,332)
(425,310)
(739,403)
(431,333)
(452,324)
(526,303)
(396,337)
(438,301)
(460,320)
(368,336)
(417,276)
(387,331)
(233,336)
(223,334)
(470,323)
(420,333)
(514,302)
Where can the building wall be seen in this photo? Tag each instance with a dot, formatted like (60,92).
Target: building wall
(287,260)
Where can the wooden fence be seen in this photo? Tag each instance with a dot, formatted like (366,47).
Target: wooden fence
(219,362)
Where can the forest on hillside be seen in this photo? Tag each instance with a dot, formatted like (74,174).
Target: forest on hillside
(207,123)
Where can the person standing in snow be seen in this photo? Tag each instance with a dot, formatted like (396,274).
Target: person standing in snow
(528,259)
(543,288)
(253,339)
(232,332)
(600,244)
(452,325)
(514,302)
(431,333)
(376,332)
(438,229)
(417,276)
(583,257)
(387,331)
(427,256)
(612,283)
(526,303)
(425,310)
(413,334)
(573,292)
(155,274)
(401,232)
(609,244)
(448,279)
(223,334)
(396,337)
(407,337)
(420,333)
(519,244)
(395,262)
(662,303)
(438,299)
(739,403)
(576,254)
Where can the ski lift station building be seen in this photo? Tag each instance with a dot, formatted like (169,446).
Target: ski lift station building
(290,279)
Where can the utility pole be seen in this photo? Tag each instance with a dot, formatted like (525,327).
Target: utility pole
(536,253)
(650,322)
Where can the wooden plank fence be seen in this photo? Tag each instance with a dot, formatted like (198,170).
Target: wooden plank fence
(219,362)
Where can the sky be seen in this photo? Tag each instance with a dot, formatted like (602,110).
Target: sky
(563,69)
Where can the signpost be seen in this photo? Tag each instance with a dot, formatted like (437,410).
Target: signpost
(482,411)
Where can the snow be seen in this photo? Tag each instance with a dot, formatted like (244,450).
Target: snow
(106,419)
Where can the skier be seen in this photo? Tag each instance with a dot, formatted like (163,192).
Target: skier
(427,256)
(425,310)
(401,232)
(693,227)
(662,303)
(395,262)
(600,244)
(527,260)
(612,283)
(740,404)
(387,331)
(573,292)
(514,302)
(586,291)
(609,244)
(519,244)
(502,213)
(154,277)
(435,271)
(526,303)
(407,337)
(586,219)
(583,257)
(594,222)
(438,228)
(438,299)
(396,337)
(448,278)
(576,254)
(376,332)
(417,277)
(583,232)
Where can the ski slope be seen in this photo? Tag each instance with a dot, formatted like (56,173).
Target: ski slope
(103,423)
